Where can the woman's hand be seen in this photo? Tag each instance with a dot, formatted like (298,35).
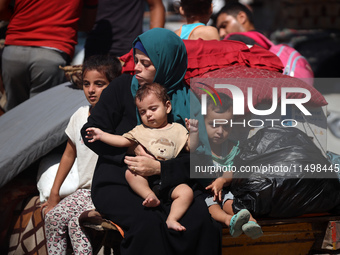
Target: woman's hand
(52,201)
(143,165)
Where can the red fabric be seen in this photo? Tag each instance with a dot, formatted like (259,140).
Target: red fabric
(260,80)
(129,62)
(45,23)
(206,56)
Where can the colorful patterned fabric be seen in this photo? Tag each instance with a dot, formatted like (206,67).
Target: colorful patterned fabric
(28,235)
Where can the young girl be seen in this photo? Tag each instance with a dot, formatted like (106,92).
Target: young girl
(62,216)
(223,152)
(161,139)
(197,14)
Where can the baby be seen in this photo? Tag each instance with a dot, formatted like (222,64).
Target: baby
(161,139)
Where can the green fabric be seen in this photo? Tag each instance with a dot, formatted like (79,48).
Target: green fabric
(228,160)
(168,54)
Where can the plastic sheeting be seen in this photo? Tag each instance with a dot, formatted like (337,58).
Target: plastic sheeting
(282,182)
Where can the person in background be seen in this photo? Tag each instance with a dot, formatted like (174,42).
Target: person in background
(235,17)
(40,37)
(197,14)
(62,215)
(118,23)
(235,22)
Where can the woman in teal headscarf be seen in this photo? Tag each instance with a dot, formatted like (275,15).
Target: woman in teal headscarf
(145,228)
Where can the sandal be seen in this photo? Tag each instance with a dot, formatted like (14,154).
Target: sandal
(252,229)
(237,221)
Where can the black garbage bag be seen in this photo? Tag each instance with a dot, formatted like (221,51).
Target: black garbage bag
(282,173)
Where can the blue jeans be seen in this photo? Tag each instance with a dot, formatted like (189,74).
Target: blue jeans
(27,71)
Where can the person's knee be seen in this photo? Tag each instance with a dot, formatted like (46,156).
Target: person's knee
(56,218)
(184,191)
(73,225)
(142,221)
(51,220)
(48,218)
(228,206)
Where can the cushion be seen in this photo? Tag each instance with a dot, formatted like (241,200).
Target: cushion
(35,127)
(260,80)
(47,171)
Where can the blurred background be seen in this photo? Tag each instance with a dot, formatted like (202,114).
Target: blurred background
(310,26)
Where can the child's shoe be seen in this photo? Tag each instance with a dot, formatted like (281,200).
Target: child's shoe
(252,229)
(237,221)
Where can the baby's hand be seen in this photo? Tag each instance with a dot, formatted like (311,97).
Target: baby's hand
(192,125)
(93,134)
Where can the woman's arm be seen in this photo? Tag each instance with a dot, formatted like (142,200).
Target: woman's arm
(115,113)
(173,171)
(64,168)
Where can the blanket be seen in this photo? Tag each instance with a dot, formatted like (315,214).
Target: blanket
(28,235)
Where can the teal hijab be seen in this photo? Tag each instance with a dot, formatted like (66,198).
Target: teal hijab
(168,54)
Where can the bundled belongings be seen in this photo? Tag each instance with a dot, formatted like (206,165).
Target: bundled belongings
(206,56)
(285,175)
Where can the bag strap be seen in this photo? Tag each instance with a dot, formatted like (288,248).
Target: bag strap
(289,63)
(294,65)
(193,30)
(280,50)
(253,35)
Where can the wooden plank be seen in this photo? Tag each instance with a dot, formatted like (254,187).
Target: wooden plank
(293,238)
(324,217)
(270,249)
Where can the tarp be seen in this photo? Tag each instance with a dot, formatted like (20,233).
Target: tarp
(285,175)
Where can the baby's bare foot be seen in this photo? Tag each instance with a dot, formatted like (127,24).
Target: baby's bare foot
(175,225)
(151,201)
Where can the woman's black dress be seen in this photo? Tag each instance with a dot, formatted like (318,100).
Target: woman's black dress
(145,229)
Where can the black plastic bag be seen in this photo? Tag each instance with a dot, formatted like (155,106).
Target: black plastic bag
(300,181)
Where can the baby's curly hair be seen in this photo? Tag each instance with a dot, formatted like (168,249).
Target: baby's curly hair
(159,90)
